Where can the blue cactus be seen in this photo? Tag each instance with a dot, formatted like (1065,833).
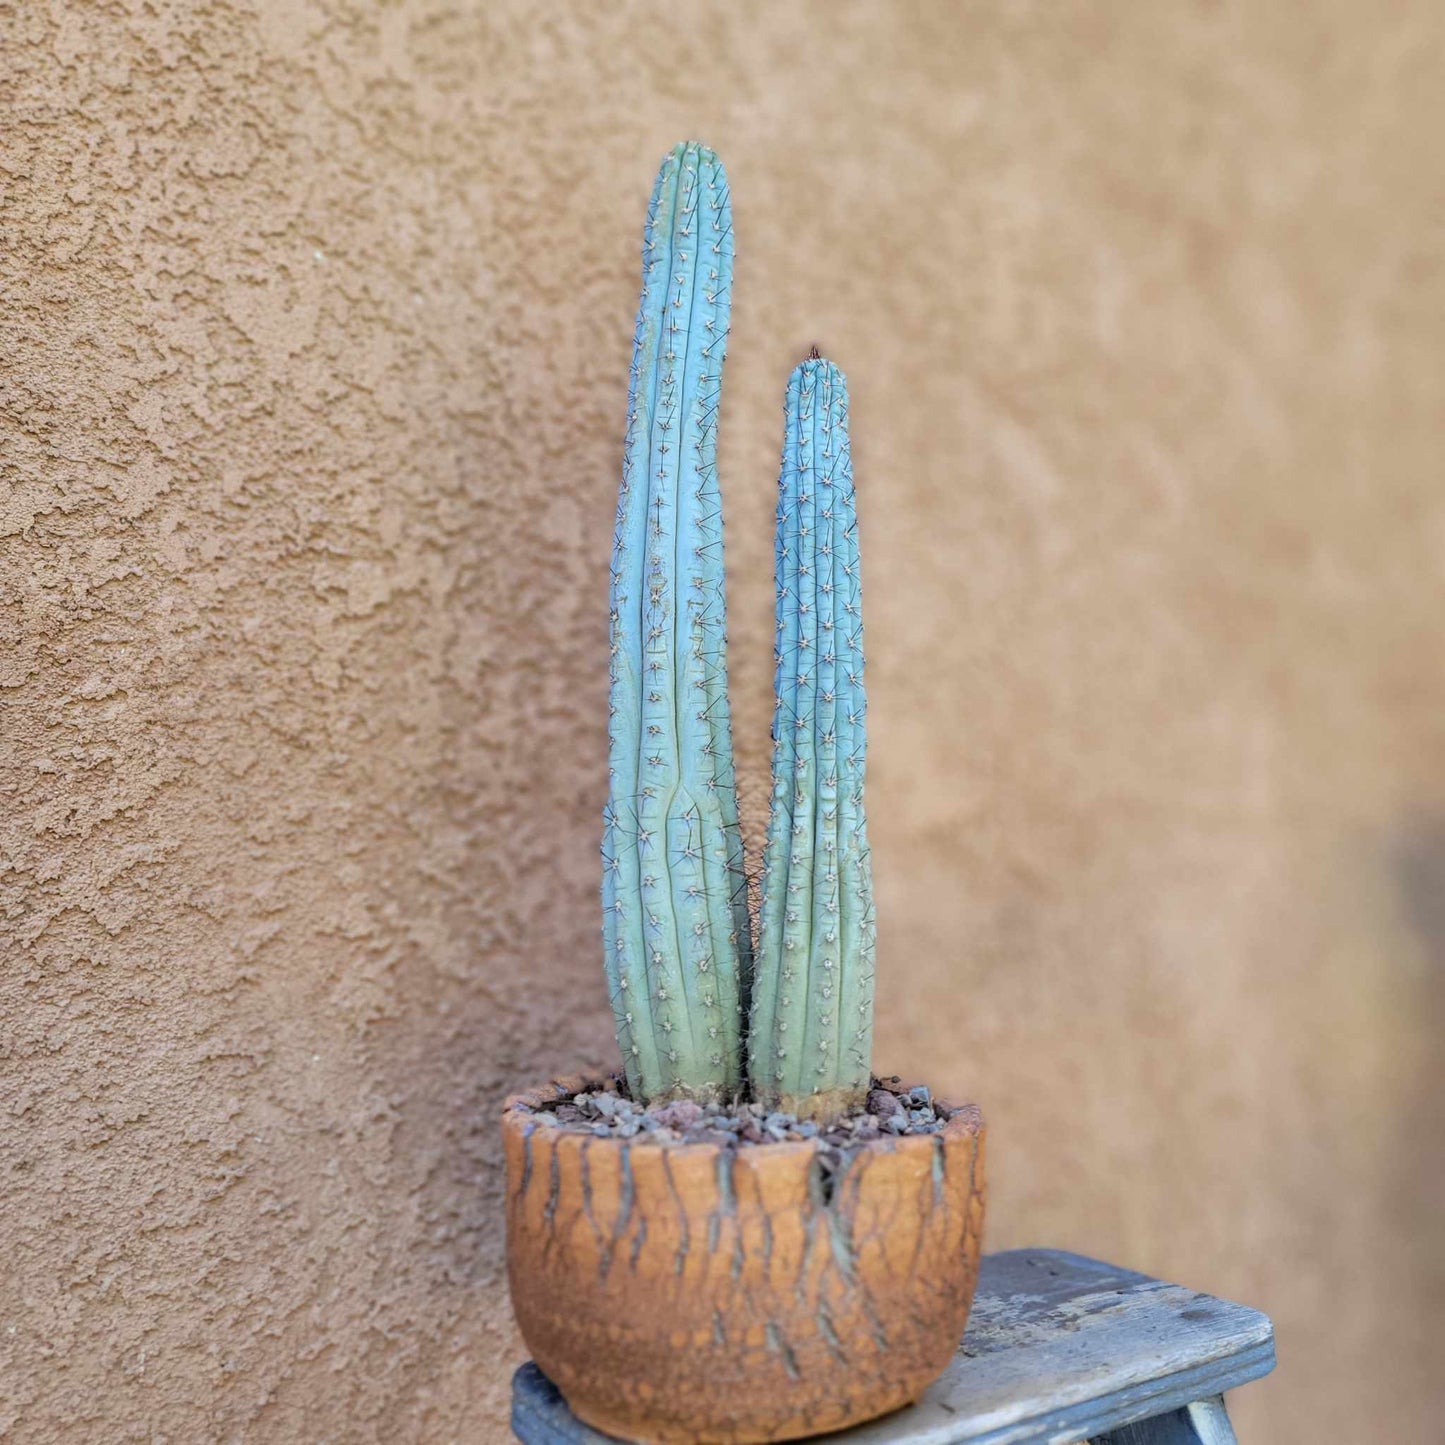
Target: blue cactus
(678,953)
(811,1031)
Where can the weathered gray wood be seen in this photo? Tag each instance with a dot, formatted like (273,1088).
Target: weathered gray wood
(1058,1349)
(1211,1421)
(540,1415)
(1203,1423)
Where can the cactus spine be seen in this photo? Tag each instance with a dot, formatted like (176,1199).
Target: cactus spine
(678,953)
(810,1039)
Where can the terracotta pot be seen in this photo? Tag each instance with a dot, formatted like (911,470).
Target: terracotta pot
(714,1296)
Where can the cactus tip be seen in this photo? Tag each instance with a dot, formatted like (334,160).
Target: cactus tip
(695,148)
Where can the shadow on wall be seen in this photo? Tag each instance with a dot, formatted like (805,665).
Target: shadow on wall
(1418,860)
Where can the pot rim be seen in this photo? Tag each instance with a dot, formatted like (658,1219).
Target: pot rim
(522,1108)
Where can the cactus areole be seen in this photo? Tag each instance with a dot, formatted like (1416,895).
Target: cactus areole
(731,1197)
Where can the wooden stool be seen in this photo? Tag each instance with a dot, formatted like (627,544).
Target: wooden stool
(1058,1349)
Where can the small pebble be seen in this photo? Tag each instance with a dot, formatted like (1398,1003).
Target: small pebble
(883,1104)
(680,1114)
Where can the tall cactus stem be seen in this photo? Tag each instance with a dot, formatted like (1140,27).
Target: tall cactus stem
(811,1032)
(674,896)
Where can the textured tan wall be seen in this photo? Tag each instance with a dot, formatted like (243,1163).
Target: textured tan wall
(315,344)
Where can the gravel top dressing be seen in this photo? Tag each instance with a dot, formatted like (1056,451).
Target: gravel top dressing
(607,1112)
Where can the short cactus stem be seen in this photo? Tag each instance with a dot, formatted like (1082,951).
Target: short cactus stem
(811,1032)
(675,924)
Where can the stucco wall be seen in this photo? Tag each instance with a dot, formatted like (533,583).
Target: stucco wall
(315,340)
